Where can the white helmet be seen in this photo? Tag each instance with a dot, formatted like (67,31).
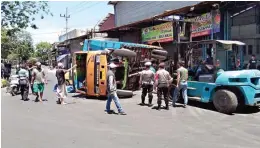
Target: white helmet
(112,65)
(60,65)
(148,64)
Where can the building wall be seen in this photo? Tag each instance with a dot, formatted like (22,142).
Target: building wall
(72,34)
(127,12)
(246,28)
(133,37)
(109,23)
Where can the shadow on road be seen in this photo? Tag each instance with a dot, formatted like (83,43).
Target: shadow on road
(102,98)
(210,106)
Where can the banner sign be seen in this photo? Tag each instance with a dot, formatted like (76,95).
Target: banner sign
(158,33)
(202,25)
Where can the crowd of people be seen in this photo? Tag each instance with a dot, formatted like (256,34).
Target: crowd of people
(152,79)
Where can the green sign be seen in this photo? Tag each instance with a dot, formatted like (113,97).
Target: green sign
(158,33)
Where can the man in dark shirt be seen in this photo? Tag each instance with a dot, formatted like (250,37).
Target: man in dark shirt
(252,63)
(61,89)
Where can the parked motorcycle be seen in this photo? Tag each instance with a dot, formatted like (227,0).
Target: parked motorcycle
(14,87)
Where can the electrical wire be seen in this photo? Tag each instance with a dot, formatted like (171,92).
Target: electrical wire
(85,8)
(82,4)
(77,6)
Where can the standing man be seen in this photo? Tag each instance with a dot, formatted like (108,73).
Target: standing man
(30,69)
(182,77)
(111,88)
(162,82)
(252,63)
(38,80)
(24,82)
(238,65)
(61,90)
(2,69)
(146,82)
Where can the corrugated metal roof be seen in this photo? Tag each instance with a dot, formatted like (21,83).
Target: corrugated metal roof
(167,13)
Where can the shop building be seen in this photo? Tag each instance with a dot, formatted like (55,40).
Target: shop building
(138,22)
(246,28)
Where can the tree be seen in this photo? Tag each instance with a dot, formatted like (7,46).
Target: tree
(43,50)
(17,15)
(18,46)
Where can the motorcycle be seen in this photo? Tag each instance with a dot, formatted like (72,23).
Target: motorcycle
(14,87)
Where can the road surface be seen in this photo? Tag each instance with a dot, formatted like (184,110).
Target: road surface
(83,123)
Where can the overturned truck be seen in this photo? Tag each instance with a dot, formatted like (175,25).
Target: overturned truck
(92,62)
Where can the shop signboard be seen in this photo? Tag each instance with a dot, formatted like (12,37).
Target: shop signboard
(203,25)
(158,33)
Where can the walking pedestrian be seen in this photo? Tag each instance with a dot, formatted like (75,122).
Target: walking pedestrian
(111,88)
(162,82)
(38,81)
(146,82)
(24,82)
(61,89)
(182,85)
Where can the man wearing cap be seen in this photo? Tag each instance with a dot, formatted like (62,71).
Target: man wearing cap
(162,82)
(182,77)
(146,82)
(61,90)
(111,90)
(38,80)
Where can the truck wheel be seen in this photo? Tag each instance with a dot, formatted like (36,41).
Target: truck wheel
(159,57)
(225,101)
(125,93)
(124,53)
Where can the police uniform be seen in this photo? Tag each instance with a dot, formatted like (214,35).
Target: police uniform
(147,81)
(163,79)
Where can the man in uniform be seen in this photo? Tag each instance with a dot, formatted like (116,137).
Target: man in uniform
(24,82)
(182,77)
(146,82)
(162,82)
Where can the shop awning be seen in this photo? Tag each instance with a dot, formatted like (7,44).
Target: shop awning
(59,58)
(230,42)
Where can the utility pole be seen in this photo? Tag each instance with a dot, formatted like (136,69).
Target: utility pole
(66,16)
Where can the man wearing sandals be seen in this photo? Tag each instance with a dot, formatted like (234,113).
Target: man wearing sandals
(61,90)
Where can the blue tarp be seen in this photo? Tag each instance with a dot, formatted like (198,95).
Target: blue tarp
(94,45)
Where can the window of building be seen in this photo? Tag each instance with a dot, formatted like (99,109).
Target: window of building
(244,49)
(258,49)
(250,49)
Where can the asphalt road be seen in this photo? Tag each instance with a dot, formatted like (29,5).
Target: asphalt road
(83,123)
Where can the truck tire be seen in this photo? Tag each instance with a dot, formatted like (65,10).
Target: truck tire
(159,52)
(125,93)
(123,52)
(225,101)
(158,57)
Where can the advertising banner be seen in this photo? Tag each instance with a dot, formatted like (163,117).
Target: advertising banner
(203,25)
(158,33)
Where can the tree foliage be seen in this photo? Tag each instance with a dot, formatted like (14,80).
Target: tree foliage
(17,46)
(43,50)
(17,15)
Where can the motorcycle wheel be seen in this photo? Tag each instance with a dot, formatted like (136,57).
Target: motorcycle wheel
(14,91)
